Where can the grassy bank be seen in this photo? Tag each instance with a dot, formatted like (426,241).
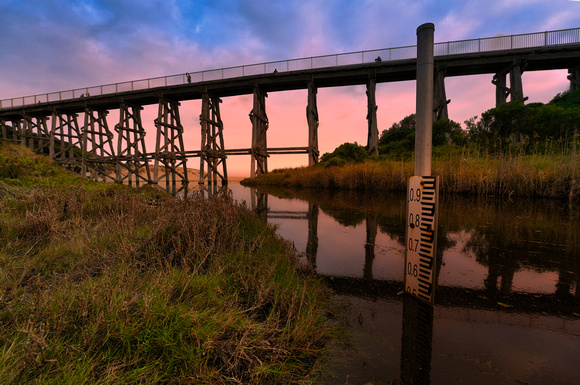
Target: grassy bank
(103,284)
(538,175)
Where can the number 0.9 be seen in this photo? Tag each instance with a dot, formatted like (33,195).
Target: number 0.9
(414,195)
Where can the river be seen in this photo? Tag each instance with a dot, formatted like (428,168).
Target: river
(507,299)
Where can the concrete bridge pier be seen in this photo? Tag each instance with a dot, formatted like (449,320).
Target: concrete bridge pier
(131,152)
(312,118)
(169,148)
(373,131)
(259,151)
(574,77)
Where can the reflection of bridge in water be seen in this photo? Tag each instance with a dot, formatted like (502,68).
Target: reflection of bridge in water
(497,285)
(50,122)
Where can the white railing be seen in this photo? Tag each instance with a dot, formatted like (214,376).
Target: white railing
(488,44)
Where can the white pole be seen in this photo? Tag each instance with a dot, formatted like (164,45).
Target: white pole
(424,113)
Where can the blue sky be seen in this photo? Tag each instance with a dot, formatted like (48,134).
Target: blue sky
(52,45)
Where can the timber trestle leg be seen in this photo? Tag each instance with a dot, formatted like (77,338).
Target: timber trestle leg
(66,141)
(170,161)
(35,134)
(515,90)
(440,100)
(131,152)
(373,130)
(259,151)
(212,152)
(99,160)
(312,118)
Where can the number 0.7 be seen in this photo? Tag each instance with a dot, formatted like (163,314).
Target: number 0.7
(413,244)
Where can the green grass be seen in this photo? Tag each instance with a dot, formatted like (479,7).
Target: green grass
(99,286)
(460,171)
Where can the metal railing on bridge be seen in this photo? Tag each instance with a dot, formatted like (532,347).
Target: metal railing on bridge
(488,44)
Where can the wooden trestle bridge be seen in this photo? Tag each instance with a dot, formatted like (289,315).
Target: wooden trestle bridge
(51,122)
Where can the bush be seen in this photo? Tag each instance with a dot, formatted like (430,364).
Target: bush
(345,153)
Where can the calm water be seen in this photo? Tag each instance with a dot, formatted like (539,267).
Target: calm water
(507,307)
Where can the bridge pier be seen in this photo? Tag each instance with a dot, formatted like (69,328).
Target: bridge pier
(501,89)
(515,90)
(312,118)
(169,148)
(574,77)
(440,101)
(312,243)
(212,142)
(373,130)
(97,159)
(131,153)
(65,132)
(8,132)
(259,151)
(372,226)
(34,133)
(516,87)
(259,204)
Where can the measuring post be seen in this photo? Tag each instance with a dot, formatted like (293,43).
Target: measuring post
(422,189)
(421,240)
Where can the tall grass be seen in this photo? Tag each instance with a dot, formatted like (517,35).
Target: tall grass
(102,284)
(538,175)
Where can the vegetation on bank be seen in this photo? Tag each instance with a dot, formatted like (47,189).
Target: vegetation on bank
(105,284)
(513,150)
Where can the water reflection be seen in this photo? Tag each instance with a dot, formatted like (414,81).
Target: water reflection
(416,341)
(498,247)
(507,300)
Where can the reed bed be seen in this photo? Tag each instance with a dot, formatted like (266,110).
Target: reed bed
(538,175)
(103,284)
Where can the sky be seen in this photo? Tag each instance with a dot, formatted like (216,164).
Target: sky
(54,45)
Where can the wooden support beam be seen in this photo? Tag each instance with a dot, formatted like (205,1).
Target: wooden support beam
(131,152)
(373,130)
(574,77)
(516,87)
(4,129)
(98,148)
(259,204)
(312,118)
(66,141)
(312,243)
(169,149)
(212,152)
(440,101)
(259,161)
(35,133)
(501,89)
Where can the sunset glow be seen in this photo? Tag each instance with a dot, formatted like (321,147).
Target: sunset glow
(61,45)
